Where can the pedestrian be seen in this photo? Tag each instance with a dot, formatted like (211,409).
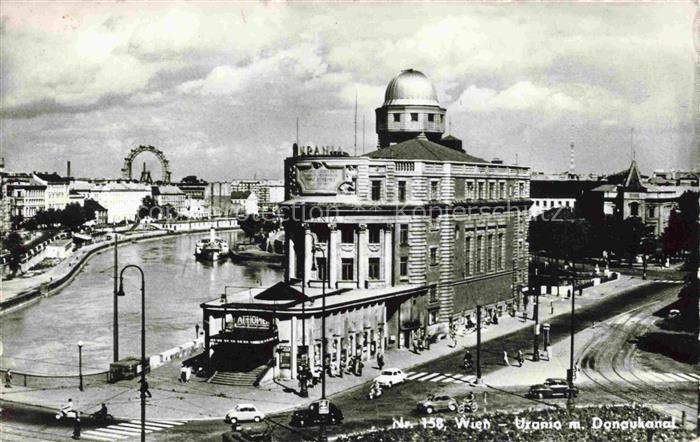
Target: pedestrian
(8,379)
(551,307)
(144,389)
(76,426)
(521,358)
(380,360)
(505,358)
(360,364)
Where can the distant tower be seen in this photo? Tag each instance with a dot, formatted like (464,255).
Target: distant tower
(572,165)
(696,97)
(145,175)
(410,108)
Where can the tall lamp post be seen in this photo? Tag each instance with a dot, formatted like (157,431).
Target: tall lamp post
(536,317)
(80,364)
(115,327)
(143,341)
(317,248)
(570,376)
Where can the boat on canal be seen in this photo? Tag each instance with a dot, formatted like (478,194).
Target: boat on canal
(212,248)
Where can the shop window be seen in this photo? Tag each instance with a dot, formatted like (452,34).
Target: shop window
(373,268)
(403,234)
(375,235)
(376,190)
(347,269)
(403,267)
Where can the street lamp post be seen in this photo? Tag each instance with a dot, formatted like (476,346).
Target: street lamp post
(143,342)
(80,365)
(570,377)
(115,320)
(536,317)
(322,428)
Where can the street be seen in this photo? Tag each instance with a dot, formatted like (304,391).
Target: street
(609,372)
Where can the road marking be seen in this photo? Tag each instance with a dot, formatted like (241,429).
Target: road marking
(138,427)
(649,376)
(417,375)
(676,377)
(154,423)
(693,375)
(101,437)
(439,378)
(686,377)
(126,430)
(425,378)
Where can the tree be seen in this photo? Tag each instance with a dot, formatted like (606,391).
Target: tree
(149,208)
(72,217)
(13,244)
(676,236)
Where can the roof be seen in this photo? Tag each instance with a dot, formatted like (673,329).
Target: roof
(423,149)
(240,194)
(450,138)
(561,188)
(281,292)
(410,87)
(94,205)
(168,189)
(51,178)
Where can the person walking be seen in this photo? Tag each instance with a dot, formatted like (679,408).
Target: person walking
(505,358)
(360,364)
(521,358)
(144,389)
(380,360)
(76,426)
(8,379)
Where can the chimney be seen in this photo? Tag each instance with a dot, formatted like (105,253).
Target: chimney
(68,169)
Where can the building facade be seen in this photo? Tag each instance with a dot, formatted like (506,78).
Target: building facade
(402,241)
(57,190)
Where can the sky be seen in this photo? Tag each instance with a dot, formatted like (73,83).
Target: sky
(218,86)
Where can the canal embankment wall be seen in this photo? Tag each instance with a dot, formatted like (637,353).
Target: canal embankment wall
(42,288)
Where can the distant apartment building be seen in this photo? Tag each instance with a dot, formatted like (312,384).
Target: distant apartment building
(56,195)
(559,191)
(121,199)
(28,197)
(269,192)
(170,195)
(244,202)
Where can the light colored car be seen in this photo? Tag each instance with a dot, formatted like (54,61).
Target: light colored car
(244,413)
(390,377)
(437,403)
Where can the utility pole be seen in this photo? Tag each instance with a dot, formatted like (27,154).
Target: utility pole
(115,327)
(570,376)
(478,344)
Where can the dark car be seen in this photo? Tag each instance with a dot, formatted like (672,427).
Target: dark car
(311,416)
(552,387)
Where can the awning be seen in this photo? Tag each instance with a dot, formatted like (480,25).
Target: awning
(246,336)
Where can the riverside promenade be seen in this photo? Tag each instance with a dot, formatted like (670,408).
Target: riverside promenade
(198,400)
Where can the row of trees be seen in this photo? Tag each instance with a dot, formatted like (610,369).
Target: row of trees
(560,233)
(72,217)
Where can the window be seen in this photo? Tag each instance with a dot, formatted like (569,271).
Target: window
(403,266)
(567,204)
(480,190)
(467,255)
(414,117)
(521,190)
(432,292)
(321,268)
(489,253)
(434,223)
(431,117)
(402,191)
(403,234)
(478,253)
(537,202)
(502,190)
(470,189)
(651,212)
(376,190)
(373,269)
(433,256)
(347,235)
(397,117)
(434,194)
(347,269)
(492,191)
(634,209)
(432,317)
(499,251)
(374,235)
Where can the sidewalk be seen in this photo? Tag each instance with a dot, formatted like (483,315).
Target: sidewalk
(196,400)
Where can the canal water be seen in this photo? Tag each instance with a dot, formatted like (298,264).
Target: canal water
(44,338)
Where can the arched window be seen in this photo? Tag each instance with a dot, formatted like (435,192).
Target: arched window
(634,209)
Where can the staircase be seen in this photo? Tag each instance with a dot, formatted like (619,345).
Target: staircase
(238,378)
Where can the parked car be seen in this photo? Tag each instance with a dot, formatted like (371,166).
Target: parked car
(311,416)
(437,403)
(552,387)
(390,377)
(244,413)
